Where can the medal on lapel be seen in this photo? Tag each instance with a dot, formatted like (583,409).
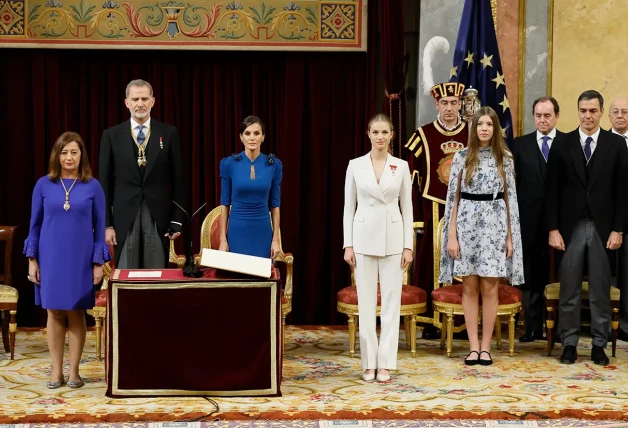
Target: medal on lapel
(161,143)
(393,169)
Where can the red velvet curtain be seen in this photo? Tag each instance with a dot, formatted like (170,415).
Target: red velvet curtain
(391,24)
(315,105)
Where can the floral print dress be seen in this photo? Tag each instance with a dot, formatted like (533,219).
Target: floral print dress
(482,226)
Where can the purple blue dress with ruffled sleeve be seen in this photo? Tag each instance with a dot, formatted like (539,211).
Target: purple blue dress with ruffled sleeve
(67,244)
(249,230)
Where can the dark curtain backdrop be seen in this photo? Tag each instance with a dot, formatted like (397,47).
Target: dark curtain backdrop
(393,52)
(315,105)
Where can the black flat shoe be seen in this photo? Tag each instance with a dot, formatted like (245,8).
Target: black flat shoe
(469,362)
(485,362)
(569,356)
(598,356)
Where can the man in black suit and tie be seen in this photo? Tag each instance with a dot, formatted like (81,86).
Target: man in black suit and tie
(586,215)
(141,172)
(618,115)
(530,153)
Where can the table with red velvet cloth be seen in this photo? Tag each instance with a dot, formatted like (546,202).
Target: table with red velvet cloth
(219,335)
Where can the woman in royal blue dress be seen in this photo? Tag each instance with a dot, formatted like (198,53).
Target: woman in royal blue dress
(251,187)
(66,250)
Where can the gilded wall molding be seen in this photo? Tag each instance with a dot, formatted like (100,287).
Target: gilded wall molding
(201,24)
(550,45)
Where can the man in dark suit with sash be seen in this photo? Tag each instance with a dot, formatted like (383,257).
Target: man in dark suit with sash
(530,153)
(141,172)
(586,215)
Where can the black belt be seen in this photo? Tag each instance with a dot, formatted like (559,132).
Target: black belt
(481,197)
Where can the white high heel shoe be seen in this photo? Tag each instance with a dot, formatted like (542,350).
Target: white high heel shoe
(383,377)
(368,377)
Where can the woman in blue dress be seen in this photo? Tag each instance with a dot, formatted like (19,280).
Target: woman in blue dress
(66,250)
(250,184)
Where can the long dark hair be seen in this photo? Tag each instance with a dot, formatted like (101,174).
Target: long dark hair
(498,145)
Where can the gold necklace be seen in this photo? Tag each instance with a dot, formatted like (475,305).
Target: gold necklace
(66,205)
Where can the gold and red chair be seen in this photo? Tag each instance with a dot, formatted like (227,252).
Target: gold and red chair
(447,301)
(413,302)
(210,238)
(99,311)
(8,294)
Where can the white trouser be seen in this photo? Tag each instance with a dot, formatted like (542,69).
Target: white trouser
(384,355)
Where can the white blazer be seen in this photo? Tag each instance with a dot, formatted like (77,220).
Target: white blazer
(377,227)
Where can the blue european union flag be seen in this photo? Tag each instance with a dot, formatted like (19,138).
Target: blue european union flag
(477,63)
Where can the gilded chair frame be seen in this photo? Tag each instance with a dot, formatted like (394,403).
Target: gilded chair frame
(206,242)
(409,313)
(9,295)
(437,230)
(100,312)
(552,297)
(449,310)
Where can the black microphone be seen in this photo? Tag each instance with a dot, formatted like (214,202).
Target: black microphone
(189,269)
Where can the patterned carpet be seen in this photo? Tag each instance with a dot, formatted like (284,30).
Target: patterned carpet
(321,382)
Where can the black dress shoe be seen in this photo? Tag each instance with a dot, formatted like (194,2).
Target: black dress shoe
(430,332)
(532,336)
(598,356)
(569,356)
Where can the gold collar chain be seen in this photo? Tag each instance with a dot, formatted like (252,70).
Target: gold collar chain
(141,148)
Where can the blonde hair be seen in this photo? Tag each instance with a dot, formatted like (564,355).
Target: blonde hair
(380,117)
(498,145)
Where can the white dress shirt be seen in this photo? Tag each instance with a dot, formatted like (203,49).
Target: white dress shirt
(539,139)
(621,135)
(135,127)
(583,140)
(447,128)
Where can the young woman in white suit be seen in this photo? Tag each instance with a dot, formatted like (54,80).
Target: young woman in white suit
(378,240)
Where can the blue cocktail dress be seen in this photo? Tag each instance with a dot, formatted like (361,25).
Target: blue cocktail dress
(67,244)
(249,230)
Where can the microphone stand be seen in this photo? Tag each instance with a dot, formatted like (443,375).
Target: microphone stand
(190,269)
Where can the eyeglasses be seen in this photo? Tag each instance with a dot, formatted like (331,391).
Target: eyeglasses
(617,113)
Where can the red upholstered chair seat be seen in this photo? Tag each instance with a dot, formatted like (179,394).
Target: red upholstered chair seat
(101,298)
(453,294)
(410,295)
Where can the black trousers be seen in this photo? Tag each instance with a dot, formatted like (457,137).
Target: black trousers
(536,268)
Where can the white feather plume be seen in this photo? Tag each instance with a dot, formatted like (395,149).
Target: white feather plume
(436,43)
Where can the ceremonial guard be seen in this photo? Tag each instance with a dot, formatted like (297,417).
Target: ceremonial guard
(430,152)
